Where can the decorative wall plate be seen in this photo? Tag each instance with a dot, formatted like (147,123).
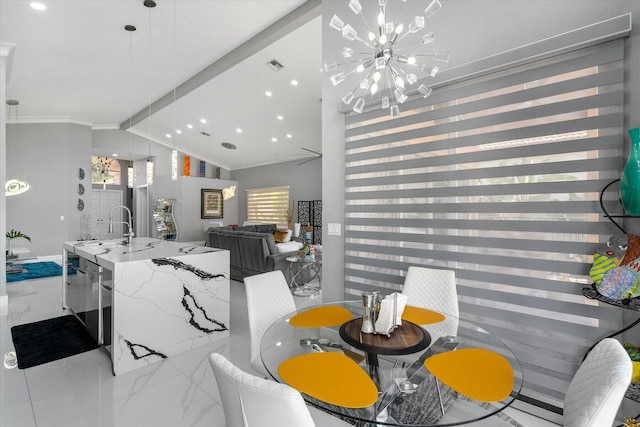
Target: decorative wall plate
(81,174)
(80,189)
(80,204)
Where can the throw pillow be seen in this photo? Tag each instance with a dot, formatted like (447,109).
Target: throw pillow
(280,236)
(266,228)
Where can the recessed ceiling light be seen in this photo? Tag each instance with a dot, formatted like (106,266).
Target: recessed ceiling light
(280,118)
(228,146)
(203,121)
(178,131)
(239,130)
(268,93)
(288,135)
(168,135)
(190,126)
(274,139)
(38,6)
(294,82)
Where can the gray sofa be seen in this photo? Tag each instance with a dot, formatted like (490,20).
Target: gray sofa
(252,249)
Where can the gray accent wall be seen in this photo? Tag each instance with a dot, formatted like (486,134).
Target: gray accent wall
(48,156)
(304,181)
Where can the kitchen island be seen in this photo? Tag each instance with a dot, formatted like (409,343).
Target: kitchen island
(147,301)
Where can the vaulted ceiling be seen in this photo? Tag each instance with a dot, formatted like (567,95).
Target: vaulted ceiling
(75,62)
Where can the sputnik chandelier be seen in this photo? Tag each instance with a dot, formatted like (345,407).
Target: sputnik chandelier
(388,67)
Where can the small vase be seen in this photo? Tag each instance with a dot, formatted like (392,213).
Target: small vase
(630,180)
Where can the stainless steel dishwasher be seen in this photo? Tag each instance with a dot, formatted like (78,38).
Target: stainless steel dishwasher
(87,291)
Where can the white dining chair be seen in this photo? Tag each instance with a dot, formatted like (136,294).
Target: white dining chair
(268,299)
(251,401)
(593,397)
(434,289)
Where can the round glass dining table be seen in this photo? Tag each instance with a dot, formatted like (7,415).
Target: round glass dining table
(420,383)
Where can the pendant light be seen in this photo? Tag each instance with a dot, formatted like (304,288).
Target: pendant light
(149,4)
(13,187)
(174,152)
(130,29)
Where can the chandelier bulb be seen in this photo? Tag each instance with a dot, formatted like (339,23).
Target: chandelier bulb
(359,105)
(360,68)
(376,76)
(383,39)
(411,60)
(372,36)
(381,18)
(433,7)
(374,88)
(400,82)
(399,29)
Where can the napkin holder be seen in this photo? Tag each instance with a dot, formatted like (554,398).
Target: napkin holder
(390,314)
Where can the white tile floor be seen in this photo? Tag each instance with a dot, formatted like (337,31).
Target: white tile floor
(81,391)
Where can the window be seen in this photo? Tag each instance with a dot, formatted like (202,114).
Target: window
(268,205)
(105,170)
(497,177)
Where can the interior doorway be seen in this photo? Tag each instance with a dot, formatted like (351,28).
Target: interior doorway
(102,201)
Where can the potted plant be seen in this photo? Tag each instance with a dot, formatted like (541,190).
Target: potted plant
(634,354)
(14,234)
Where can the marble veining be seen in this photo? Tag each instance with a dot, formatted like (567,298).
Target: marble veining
(149,352)
(181,265)
(199,311)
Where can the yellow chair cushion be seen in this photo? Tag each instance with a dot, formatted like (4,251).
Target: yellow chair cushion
(477,373)
(323,316)
(421,316)
(330,377)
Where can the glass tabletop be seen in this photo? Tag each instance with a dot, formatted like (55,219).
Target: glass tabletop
(408,394)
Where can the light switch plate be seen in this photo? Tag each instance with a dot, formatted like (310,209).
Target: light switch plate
(334,229)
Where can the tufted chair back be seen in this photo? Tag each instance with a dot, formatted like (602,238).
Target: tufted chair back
(268,299)
(434,289)
(597,389)
(250,401)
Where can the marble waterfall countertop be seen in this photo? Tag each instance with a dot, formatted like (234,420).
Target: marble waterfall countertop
(109,252)
(158,298)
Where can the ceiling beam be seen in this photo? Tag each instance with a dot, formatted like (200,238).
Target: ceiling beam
(285,25)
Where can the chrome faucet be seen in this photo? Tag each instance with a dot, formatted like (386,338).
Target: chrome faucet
(111,222)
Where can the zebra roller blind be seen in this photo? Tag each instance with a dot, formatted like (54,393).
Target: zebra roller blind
(498,178)
(268,205)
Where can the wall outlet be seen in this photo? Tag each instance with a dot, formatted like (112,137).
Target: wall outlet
(334,229)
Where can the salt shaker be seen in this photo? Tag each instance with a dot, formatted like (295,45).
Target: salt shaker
(368,312)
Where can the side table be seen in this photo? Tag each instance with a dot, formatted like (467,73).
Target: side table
(303,270)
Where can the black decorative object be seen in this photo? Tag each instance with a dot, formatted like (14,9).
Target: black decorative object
(81,174)
(80,189)
(80,204)
(310,213)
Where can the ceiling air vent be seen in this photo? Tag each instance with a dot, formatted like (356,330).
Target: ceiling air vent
(275,65)
(205,134)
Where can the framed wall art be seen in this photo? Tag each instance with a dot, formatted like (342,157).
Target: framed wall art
(211,204)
